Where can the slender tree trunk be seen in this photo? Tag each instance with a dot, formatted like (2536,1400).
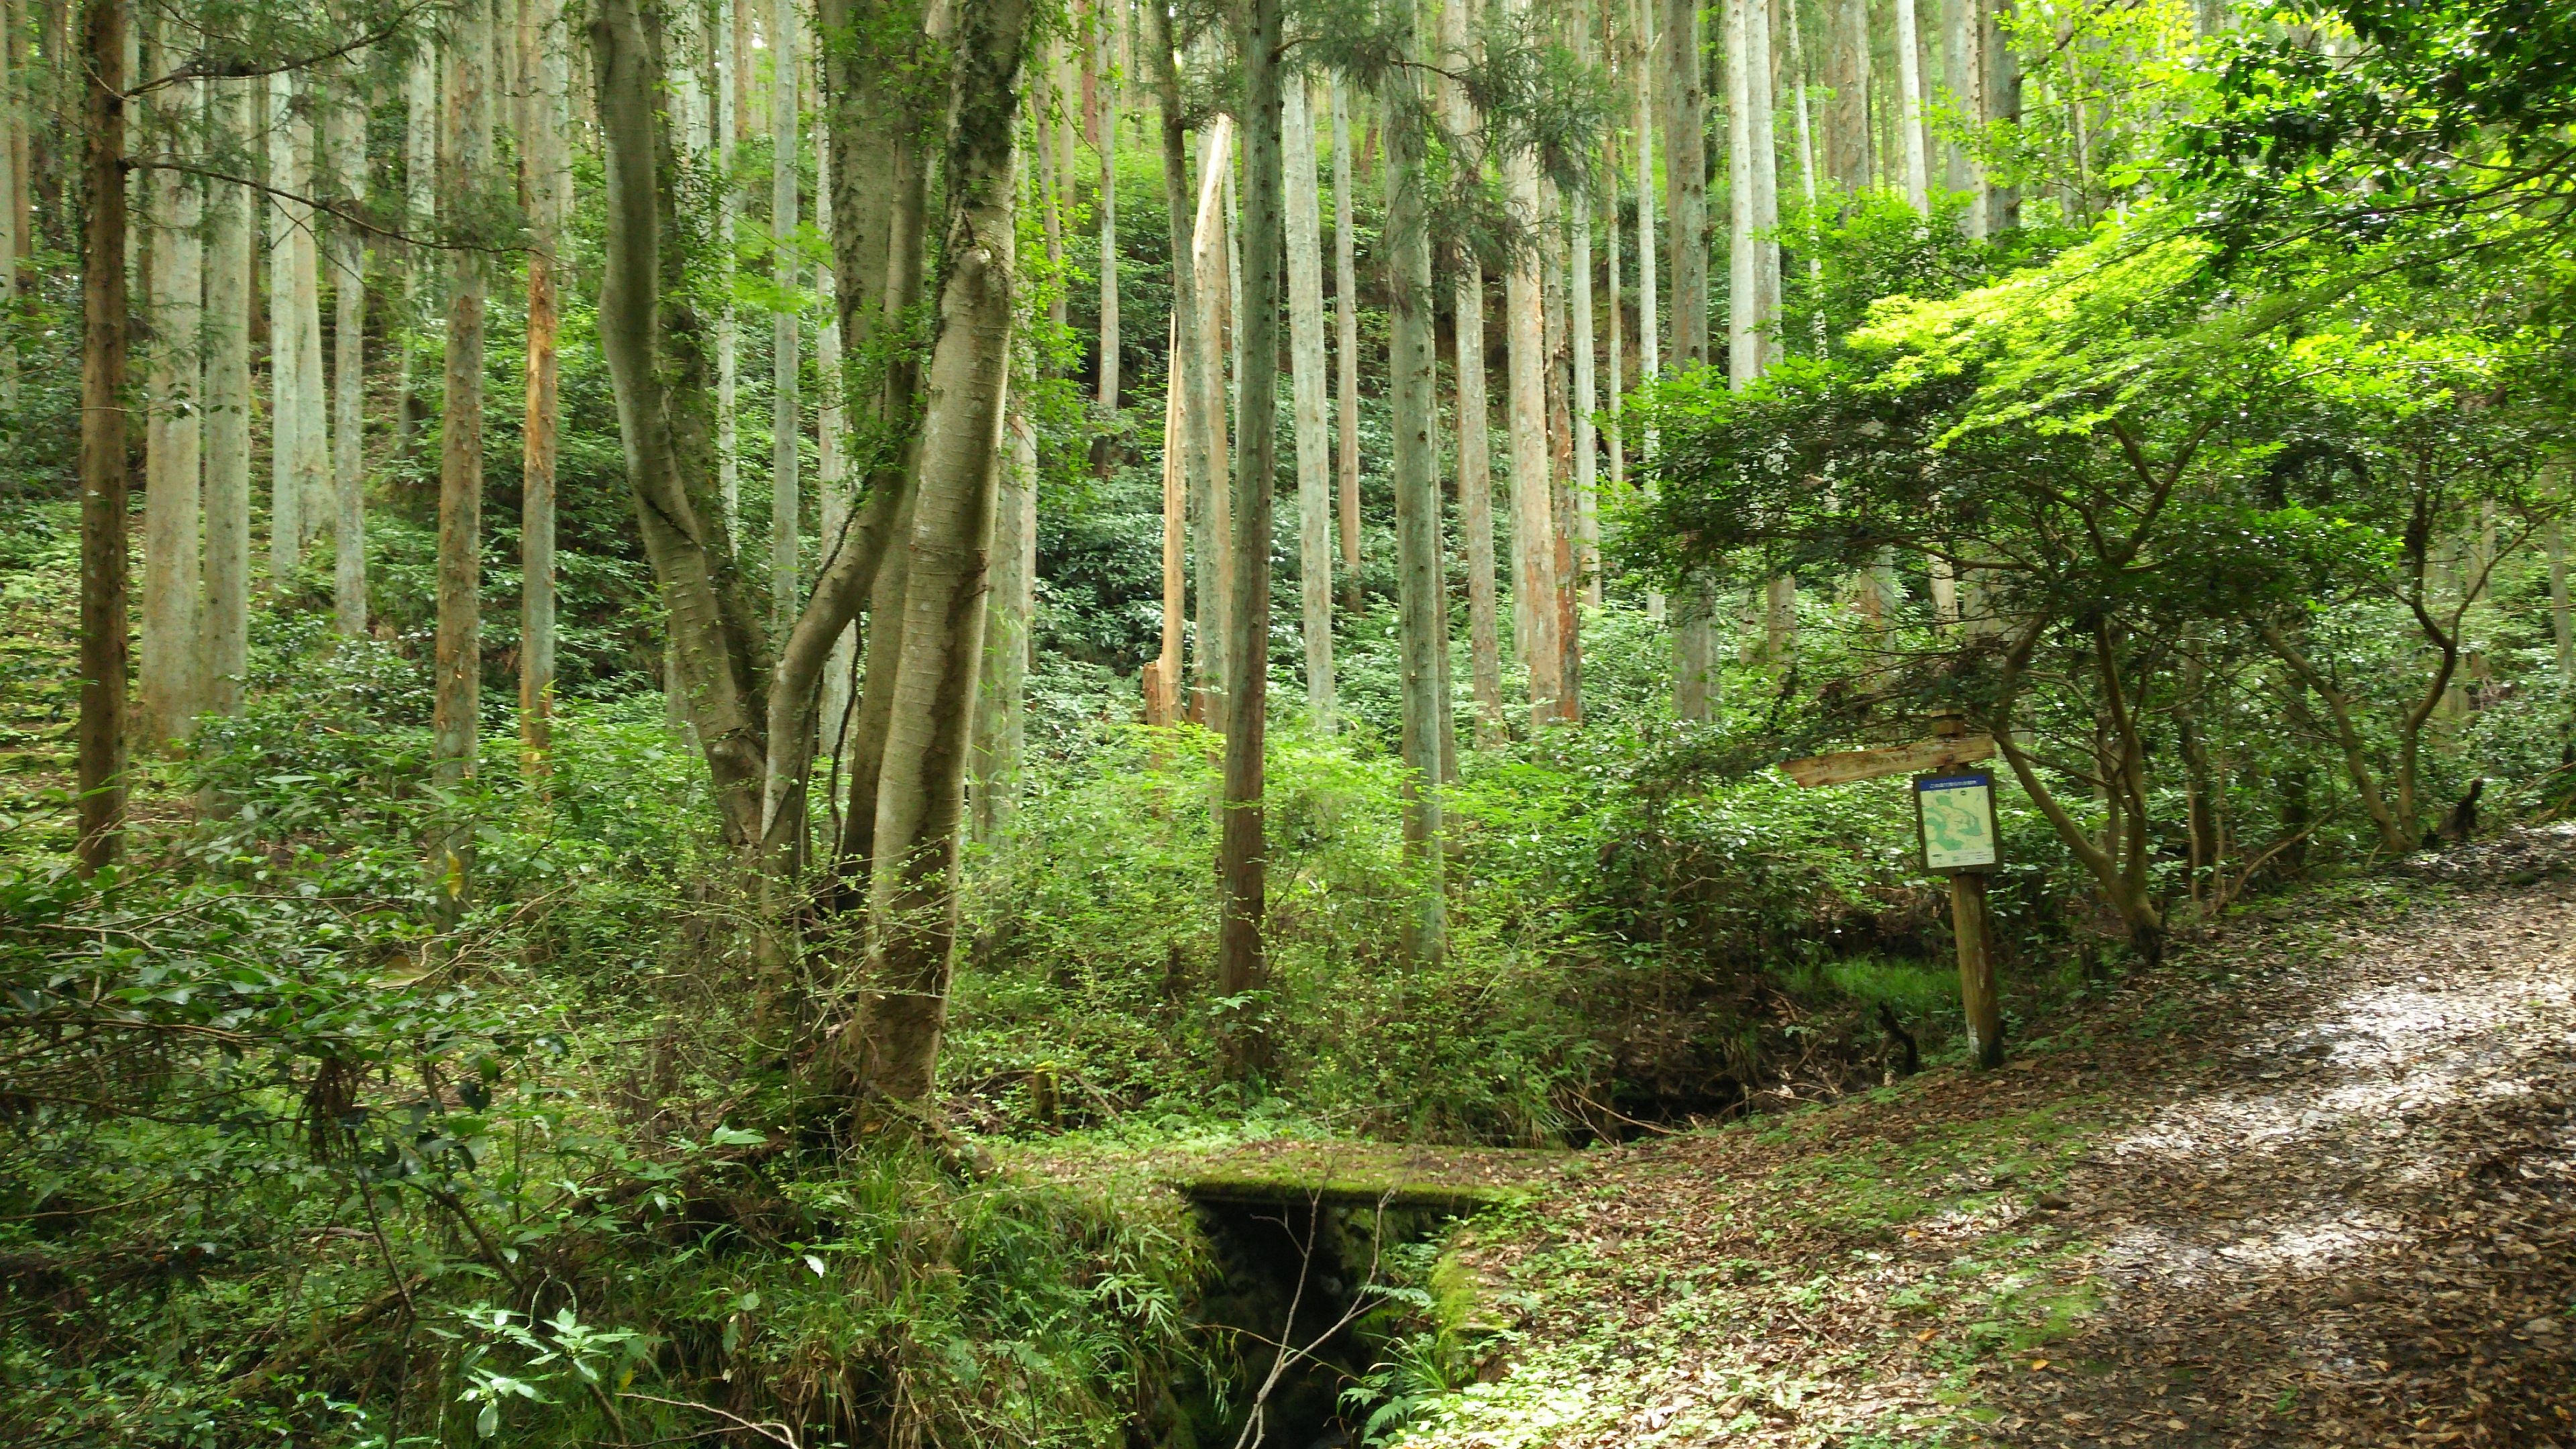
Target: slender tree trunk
(786,416)
(1346,350)
(1807,173)
(314,501)
(13,190)
(420,166)
(1909,110)
(548,180)
(104,424)
(1847,130)
(1587,501)
(1561,541)
(1106,71)
(171,690)
(1618,343)
(1744,263)
(1242,859)
(1421,600)
(1650,363)
(1685,122)
(1163,682)
(2558,611)
(286,529)
(465,158)
(913,888)
(229,298)
(999,729)
(1762,114)
(1753,317)
(1306,354)
(1963,35)
(1206,418)
(345,147)
(1196,358)
(2002,99)
(732,120)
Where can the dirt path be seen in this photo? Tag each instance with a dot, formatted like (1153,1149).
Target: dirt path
(2314,1184)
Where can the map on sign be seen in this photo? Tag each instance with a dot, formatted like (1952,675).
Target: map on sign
(1958,817)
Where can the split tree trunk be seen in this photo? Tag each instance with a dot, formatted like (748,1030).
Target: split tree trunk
(920,795)
(229,298)
(1306,355)
(1421,600)
(345,151)
(1346,348)
(172,690)
(465,157)
(101,729)
(1242,853)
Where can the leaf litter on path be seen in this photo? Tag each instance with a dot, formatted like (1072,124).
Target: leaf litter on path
(2314,1183)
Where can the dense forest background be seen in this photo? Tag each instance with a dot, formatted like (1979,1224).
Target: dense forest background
(644,638)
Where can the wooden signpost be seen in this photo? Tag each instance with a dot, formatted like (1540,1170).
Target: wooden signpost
(1954,820)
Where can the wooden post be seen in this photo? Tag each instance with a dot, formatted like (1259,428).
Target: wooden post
(1976,969)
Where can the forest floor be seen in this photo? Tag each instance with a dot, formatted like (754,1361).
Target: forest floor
(2313,1182)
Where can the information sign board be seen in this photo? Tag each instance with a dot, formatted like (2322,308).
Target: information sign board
(1954,815)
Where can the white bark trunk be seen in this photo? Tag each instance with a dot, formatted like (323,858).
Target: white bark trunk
(229,294)
(1909,110)
(1744,263)
(831,420)
(1210,522)
(1766,168)
(1305,227)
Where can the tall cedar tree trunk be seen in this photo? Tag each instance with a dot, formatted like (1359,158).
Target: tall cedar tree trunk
(786,416)
(171,689)
(1587,482)
(1346,352)
(913,898)
(831,425)
(229,298)
(465,156)
(1163,672)
(1685,127)
(1105,74)
(1744,264)
(1847,137)
(12,187)
(285,372)
(1762,113)
(344,145)
(541,151)
(1306,356)
(103,442)
(1475,447)
(1650,355)
(1421,600)
(1535,633)
(1963,72)
(1193,358)
(1242,858)
(1211,500)
(1560,460)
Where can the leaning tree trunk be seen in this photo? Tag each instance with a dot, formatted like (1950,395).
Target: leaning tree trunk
(229,297)
(101,731)
(344,146)
(912,900)
(172,690)
(465,155)
(1242,857)
(1306,354)
(1421,599)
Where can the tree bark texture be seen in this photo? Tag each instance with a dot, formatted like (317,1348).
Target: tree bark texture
(1475,443)
(786,415)
(1536,636)
(1211,503)
(548,187)
(920,796)
(1000,730)
(286,527)
(465,159)
(1685,121)
(1306,355)
(1106,203)
(104,424)
(1909,109)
